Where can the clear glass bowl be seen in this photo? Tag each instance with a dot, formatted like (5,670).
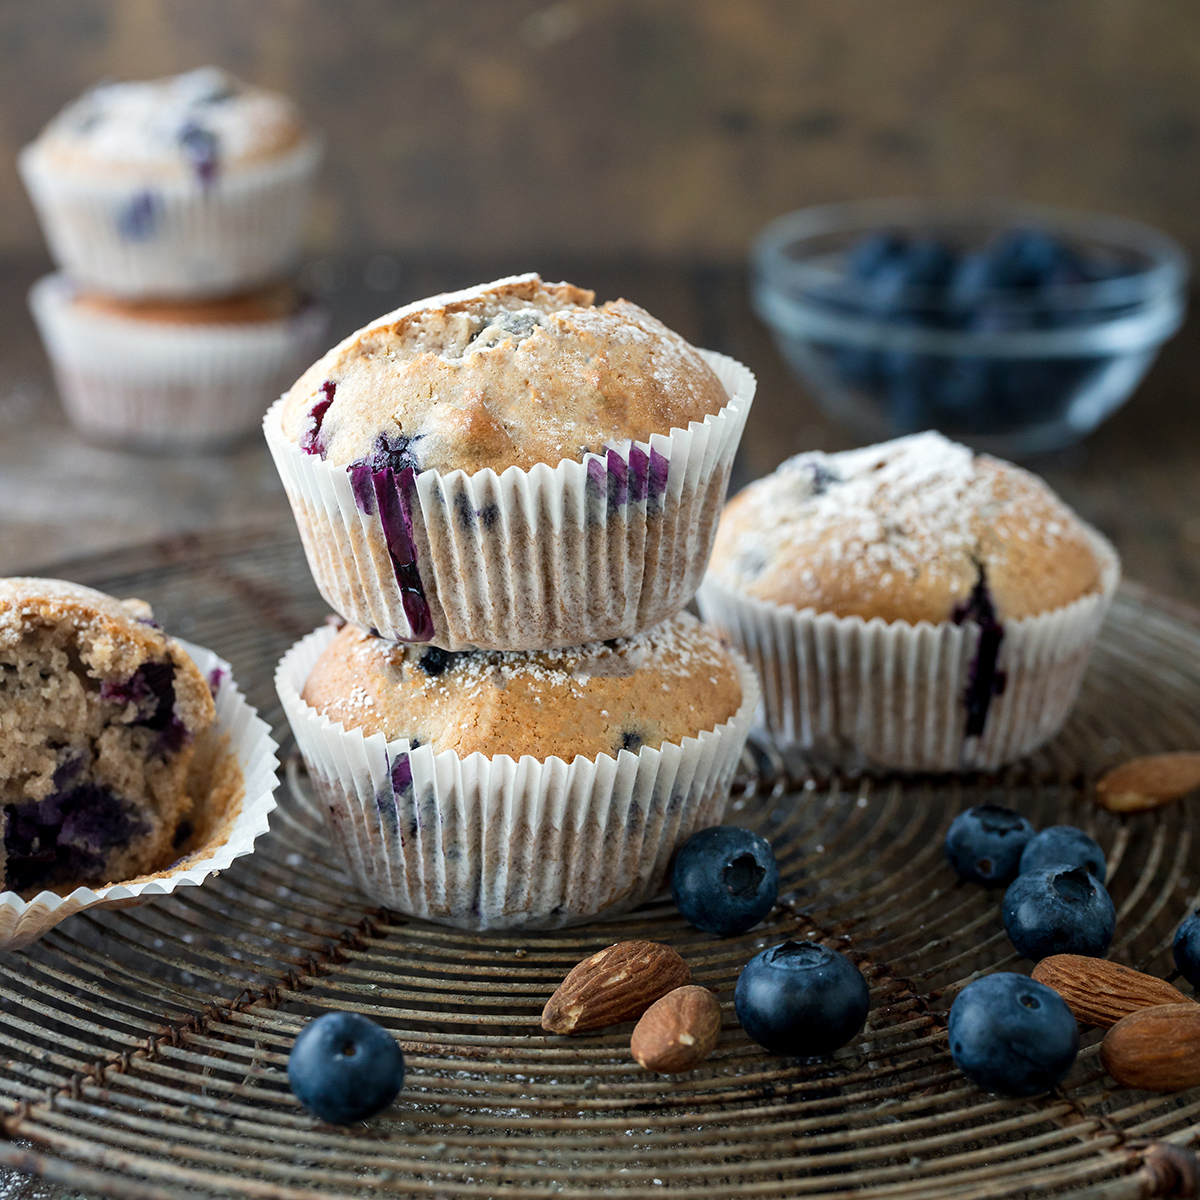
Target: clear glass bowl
(1013,371)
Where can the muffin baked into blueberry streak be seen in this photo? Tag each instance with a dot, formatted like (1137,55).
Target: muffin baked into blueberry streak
(510,467)
(99,711)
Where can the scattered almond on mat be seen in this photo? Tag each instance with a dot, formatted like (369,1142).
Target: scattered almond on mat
(1150,782)
(678,1032)
(617,984)
(1156,1049)
(1099,992)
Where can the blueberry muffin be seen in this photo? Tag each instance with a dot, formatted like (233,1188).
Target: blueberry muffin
(187,186)
(869,546)
(600,698)
(514,467)
(100,711)
(488,789)
(172,374)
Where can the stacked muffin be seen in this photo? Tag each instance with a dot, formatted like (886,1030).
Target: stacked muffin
(173,209)
(511,493)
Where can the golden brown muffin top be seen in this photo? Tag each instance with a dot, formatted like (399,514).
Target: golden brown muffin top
(673,682)
(906,530)
(512,373)
(112,638)
(275,303)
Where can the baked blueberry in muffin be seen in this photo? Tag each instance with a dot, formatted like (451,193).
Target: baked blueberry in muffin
(100,711)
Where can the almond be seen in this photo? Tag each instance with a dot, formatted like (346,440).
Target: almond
(1100,992)
(1150,782)
(677,1032)
(618,984)
(1156,1049)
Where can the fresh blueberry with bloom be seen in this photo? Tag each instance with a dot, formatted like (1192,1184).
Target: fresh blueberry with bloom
(1065,846)
(344,1068)
(1011,1034)
(984,844)
(1059,910)
(1187,949)
(801,999)
(724,880)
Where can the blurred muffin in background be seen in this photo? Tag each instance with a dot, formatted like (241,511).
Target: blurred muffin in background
(159,374)
(186,187)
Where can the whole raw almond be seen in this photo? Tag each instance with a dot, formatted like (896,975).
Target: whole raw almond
(618,984)
(1150,782)
(1100,992)
(1156,1049)
(677,1032)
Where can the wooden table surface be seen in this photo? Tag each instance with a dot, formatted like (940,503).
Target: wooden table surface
(1137,478)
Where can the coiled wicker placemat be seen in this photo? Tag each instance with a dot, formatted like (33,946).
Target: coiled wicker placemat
(142,1051)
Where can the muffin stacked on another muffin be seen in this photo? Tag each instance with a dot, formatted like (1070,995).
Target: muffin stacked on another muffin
(510,467)
(911,604)
(527,486)
(100,711)
(175,194)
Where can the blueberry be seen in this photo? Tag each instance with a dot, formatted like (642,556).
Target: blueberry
(1010,1034)
(138,218)
(1059,910)
(724,880)
(1187,949)
(801,999)
(1063,845)
(870,253)
(984,844)
(344,1068)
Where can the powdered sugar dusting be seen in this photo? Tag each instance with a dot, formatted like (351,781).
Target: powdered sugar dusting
(886,511)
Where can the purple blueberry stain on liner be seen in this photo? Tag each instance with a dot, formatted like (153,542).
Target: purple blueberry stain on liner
(310,439)
(389,494)
(402,776)
(215,678)
(137,218)
(984,681)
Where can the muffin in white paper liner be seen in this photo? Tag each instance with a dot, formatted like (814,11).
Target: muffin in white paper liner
(145,235)
(238,732)
(164,384)
(553,556)
(496,843)
(854,694)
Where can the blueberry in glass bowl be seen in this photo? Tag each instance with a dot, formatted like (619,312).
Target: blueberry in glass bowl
(1014,328)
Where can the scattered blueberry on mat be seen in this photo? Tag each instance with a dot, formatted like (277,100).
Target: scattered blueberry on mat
(344,1068)
(984,844)
(1066,846)
(801,999)
(1059,910)
(1187,949)
(724,880)
(1011,1034)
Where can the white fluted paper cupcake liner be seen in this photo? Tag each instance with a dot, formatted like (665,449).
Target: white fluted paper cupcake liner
(852,693)
(250,742)
(176,236)
(553,556)
(498,843)
(162,384)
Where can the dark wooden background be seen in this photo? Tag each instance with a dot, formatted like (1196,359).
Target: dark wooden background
(673,128)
